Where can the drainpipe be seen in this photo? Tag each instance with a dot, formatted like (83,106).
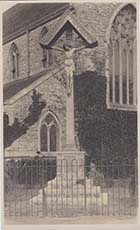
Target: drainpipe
(28,53)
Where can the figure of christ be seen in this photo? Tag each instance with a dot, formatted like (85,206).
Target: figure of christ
(69,66)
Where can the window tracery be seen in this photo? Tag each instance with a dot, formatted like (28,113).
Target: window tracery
(49,134)
(122,58)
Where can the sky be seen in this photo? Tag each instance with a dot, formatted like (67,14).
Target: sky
(6,5)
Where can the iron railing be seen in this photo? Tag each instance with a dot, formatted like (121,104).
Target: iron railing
(43,186)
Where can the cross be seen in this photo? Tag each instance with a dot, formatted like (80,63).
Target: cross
(69,67)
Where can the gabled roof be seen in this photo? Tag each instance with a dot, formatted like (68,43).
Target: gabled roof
(23,16)
(67,17)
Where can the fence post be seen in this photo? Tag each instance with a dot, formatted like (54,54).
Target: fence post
(43,190)
(85,201)
(136,182)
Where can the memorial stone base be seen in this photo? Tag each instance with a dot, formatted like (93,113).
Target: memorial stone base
(71,165)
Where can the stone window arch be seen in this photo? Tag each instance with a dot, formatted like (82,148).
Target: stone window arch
(49,133)
(121,45)
(14,60)
(47,56)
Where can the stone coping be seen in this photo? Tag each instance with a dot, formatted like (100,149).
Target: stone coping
(9,153)
(55,70)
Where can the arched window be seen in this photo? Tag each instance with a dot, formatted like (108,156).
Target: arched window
(122,60)
(14,56)
(47,58)
(49,134)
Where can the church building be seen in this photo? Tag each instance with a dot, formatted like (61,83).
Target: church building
(98,117)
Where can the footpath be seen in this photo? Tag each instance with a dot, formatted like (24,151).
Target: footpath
(82,220)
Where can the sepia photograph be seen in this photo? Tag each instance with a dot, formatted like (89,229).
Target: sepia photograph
(70,113)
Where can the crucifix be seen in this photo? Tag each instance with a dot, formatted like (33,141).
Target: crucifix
(69,68)
(74,32)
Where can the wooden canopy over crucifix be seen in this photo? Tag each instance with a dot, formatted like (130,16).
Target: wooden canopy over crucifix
(60,26)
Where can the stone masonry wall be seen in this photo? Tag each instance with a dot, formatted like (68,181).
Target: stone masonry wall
(93,16)
(35,54)
(53,93)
